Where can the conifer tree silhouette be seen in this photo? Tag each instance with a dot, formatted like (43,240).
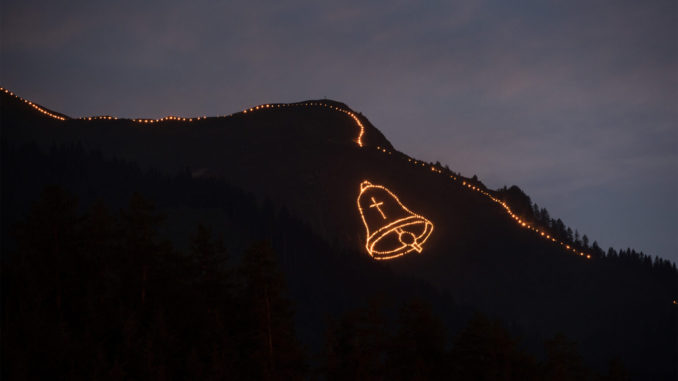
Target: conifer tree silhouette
(270,350)
(485,350)
(563,361)
(417,351)
(356,344)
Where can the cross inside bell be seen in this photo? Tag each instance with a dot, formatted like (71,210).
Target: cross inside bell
(392,229)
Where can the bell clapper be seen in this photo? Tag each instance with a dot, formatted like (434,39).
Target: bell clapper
(408,239)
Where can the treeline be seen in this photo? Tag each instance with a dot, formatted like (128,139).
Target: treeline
(323,279)
(99,295)
(522,205)
(360,347)
(531,212)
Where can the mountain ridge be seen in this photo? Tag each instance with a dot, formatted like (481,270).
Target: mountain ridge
(324,103)
(379,142)
(478,253)
(374,139)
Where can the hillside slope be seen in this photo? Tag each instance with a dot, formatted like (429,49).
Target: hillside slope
(306,157)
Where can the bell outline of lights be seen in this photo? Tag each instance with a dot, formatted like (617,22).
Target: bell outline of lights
(398,230)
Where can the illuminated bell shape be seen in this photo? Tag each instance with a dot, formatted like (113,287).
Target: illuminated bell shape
(392,229)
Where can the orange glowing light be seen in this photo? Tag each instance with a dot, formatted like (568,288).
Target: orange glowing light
(392,229)
(501,203)
(351,114)
(416,245)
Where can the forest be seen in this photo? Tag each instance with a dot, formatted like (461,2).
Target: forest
(99,295)
(95,289)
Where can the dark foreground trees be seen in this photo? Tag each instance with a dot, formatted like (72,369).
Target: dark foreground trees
(269,345)
(363,345)
(98,294)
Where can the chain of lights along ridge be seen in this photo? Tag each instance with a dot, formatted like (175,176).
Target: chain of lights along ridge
(358,140)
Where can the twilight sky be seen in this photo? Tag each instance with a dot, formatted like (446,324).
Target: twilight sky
(574,101)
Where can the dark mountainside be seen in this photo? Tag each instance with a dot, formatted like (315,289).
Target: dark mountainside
(292,175)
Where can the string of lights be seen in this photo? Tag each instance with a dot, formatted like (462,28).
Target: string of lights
(521,222)
(351,114)
(540,232)
(34,106)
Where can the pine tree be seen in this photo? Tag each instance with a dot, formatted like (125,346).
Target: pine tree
(545,217)
(270,349)
(485,350)
(596,250)
(141,247)
(43,286)
(50,240)
(585,241)
(355,346)
(209,257)
(214,305)
(616,371)
(570,235)
(417,350)
(563,361)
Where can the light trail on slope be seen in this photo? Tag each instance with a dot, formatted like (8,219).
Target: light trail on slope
(522,223)
(358,140)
